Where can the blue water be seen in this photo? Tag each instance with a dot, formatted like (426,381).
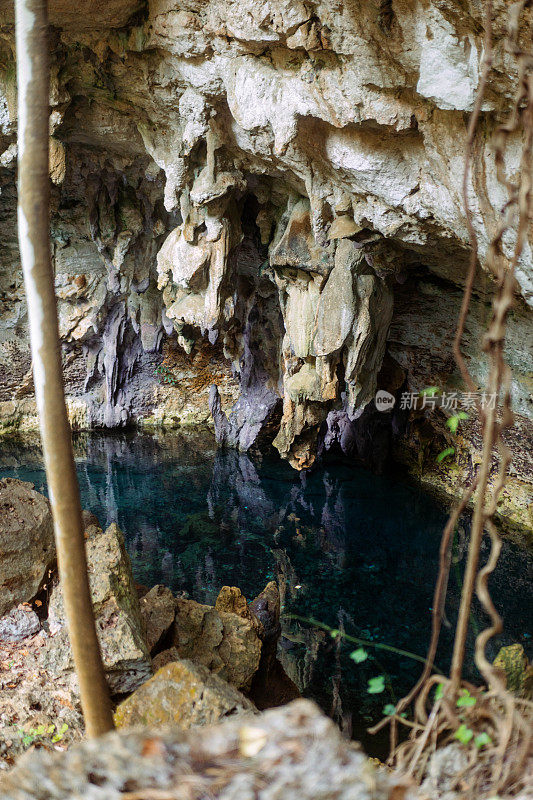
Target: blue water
(349,548)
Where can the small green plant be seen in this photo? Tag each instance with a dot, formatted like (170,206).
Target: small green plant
(42,733)
(449,451)
(166,375)
(482,740)
(359,655)
(463,734)
(376,685)
(453,421)
(453,424)
(465,700)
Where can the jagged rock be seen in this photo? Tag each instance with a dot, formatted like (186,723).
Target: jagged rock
(183,694)
(271,686)
(117,613)
(518,672)
(266,607)
(27,546)
(158,608)
(295,751)
(224,642)
(19,624)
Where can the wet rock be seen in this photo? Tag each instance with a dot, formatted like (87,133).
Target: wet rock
(224,642)
(118,618)
(27,547)
(183,694)
(291,752)
(158,608)
(19,624)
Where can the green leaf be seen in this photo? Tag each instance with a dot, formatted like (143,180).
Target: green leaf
(466,700)
(463,734)
(444,454)
(439,691)
(482,739)
(334,633)
(64,728)
(376,685)
(453,421)
(430,391)
(359,655)
(389,710)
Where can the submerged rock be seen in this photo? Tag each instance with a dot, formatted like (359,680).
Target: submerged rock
(183,694)
(27,546)
(291,753)
(118,618)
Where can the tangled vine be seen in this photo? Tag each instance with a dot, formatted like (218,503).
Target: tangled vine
(500,718)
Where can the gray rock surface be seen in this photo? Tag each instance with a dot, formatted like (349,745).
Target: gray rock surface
(20,623)
(118,619)
(27,546)
(291,753)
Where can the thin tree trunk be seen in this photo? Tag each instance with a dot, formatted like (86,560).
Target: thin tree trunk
(33,223)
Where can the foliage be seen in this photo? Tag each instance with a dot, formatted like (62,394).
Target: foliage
(43,734)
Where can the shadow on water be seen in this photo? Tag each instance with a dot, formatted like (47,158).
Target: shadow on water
(354,550)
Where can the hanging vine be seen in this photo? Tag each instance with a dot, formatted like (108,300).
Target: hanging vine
(496,723)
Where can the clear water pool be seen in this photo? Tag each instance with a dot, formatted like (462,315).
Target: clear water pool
(349,548)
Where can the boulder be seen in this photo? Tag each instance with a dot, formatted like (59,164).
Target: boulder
(158,609)
(27,547)
(222,641)
(118,618)
(183,694)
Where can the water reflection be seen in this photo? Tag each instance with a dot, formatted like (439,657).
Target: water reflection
(357,551)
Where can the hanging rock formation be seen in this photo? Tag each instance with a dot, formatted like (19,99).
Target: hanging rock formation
(272,192)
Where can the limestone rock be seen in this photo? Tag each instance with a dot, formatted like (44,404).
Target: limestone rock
(223,642)
(183,694)
(118,618)
(290,752)
(19,624)
(514,664)
(235,194)
(158,608)
(27,546)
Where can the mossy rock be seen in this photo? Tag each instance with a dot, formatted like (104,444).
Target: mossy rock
(513,662)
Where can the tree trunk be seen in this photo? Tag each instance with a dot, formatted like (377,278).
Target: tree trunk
(33,224)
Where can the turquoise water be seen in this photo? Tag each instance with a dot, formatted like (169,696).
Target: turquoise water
(349,548)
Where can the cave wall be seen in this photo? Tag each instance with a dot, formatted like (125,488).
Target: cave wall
(270,192)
